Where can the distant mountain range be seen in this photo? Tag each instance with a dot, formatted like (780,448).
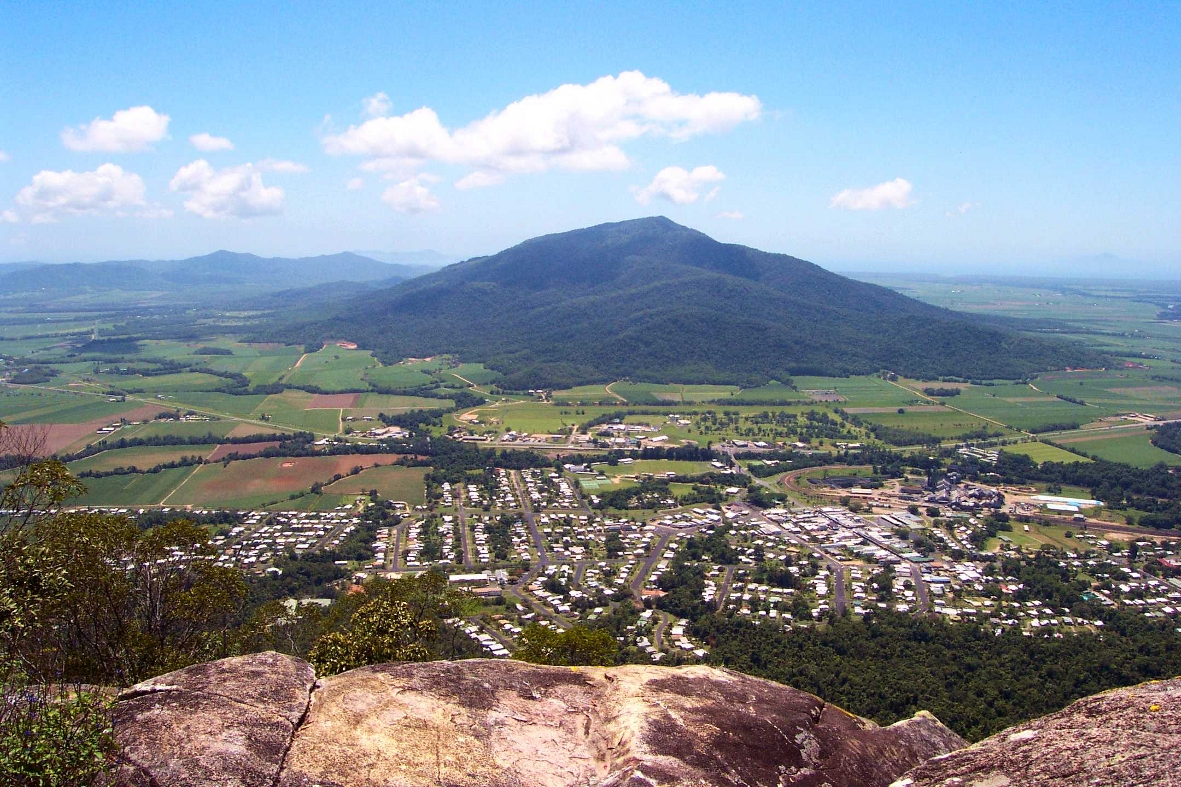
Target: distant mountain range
(222,271)
(427,259)
(652,300)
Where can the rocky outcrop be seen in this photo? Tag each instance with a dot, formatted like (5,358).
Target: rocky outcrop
(226,722)
(1126,737)
(261,720)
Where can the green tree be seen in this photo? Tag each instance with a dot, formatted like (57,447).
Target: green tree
(51,732)
(382,630)
(576,646)
(139,602)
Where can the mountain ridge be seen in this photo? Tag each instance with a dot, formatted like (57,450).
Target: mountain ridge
(649,299)
(219,269)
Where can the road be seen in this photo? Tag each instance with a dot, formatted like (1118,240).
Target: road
(654,557)
(535,534)
(461,517)
(835,566)
(916,571)
(724,588)
(663,621)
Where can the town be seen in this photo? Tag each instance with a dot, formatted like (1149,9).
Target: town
(531,548)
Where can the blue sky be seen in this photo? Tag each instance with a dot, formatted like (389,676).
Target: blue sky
(909,136)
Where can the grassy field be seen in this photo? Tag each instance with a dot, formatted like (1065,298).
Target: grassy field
(1054,535)
(393,483)
(183,381)
(943,423)
(144,457)
(290,409)
(181,429)
(1041,452)
(254,482)
(241,406)
(772,391)
(1022,407)
(404,375)
(860,391)
(1133,448)
(397,404)
(132,490)
(333,369)
(37,406)
(472,372)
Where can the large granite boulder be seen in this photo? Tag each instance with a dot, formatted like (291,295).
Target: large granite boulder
(1120,738)
(227,722)
(260,720)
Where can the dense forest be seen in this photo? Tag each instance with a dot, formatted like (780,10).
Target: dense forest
(652,300)
(977,681)
(1168,437)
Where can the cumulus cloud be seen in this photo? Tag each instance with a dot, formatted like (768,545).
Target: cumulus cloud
(52,195)
(963,208)
(730,214)
(231,192)
(891,194)
(3,157)
(207,143)
(377,105)
(281,165)
(9,217)
(678,185)
(572,127)
(129,130)
(411,196)
(356,184)
(478,180)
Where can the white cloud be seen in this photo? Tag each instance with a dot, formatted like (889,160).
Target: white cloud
(356,184)
(572,127)
(232,192)
(4,156)
(281,165)
(410,196)
(735,215)
(963,208)
(891,194)
(377,105)
(478,180)
(207,143)
(52,195)
(9,217)
(679,185)
(127,131)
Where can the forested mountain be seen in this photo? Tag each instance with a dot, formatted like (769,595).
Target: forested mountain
(652,300)
(219,270)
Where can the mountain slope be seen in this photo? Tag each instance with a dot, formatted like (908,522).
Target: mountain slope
(650,299)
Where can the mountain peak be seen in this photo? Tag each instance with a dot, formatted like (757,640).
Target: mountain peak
(653,300)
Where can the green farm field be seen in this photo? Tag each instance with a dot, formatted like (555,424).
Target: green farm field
(333,369)
(1131,446)
(255,482)
(392,483)
(142,457)
(148,489)
(1043,452)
